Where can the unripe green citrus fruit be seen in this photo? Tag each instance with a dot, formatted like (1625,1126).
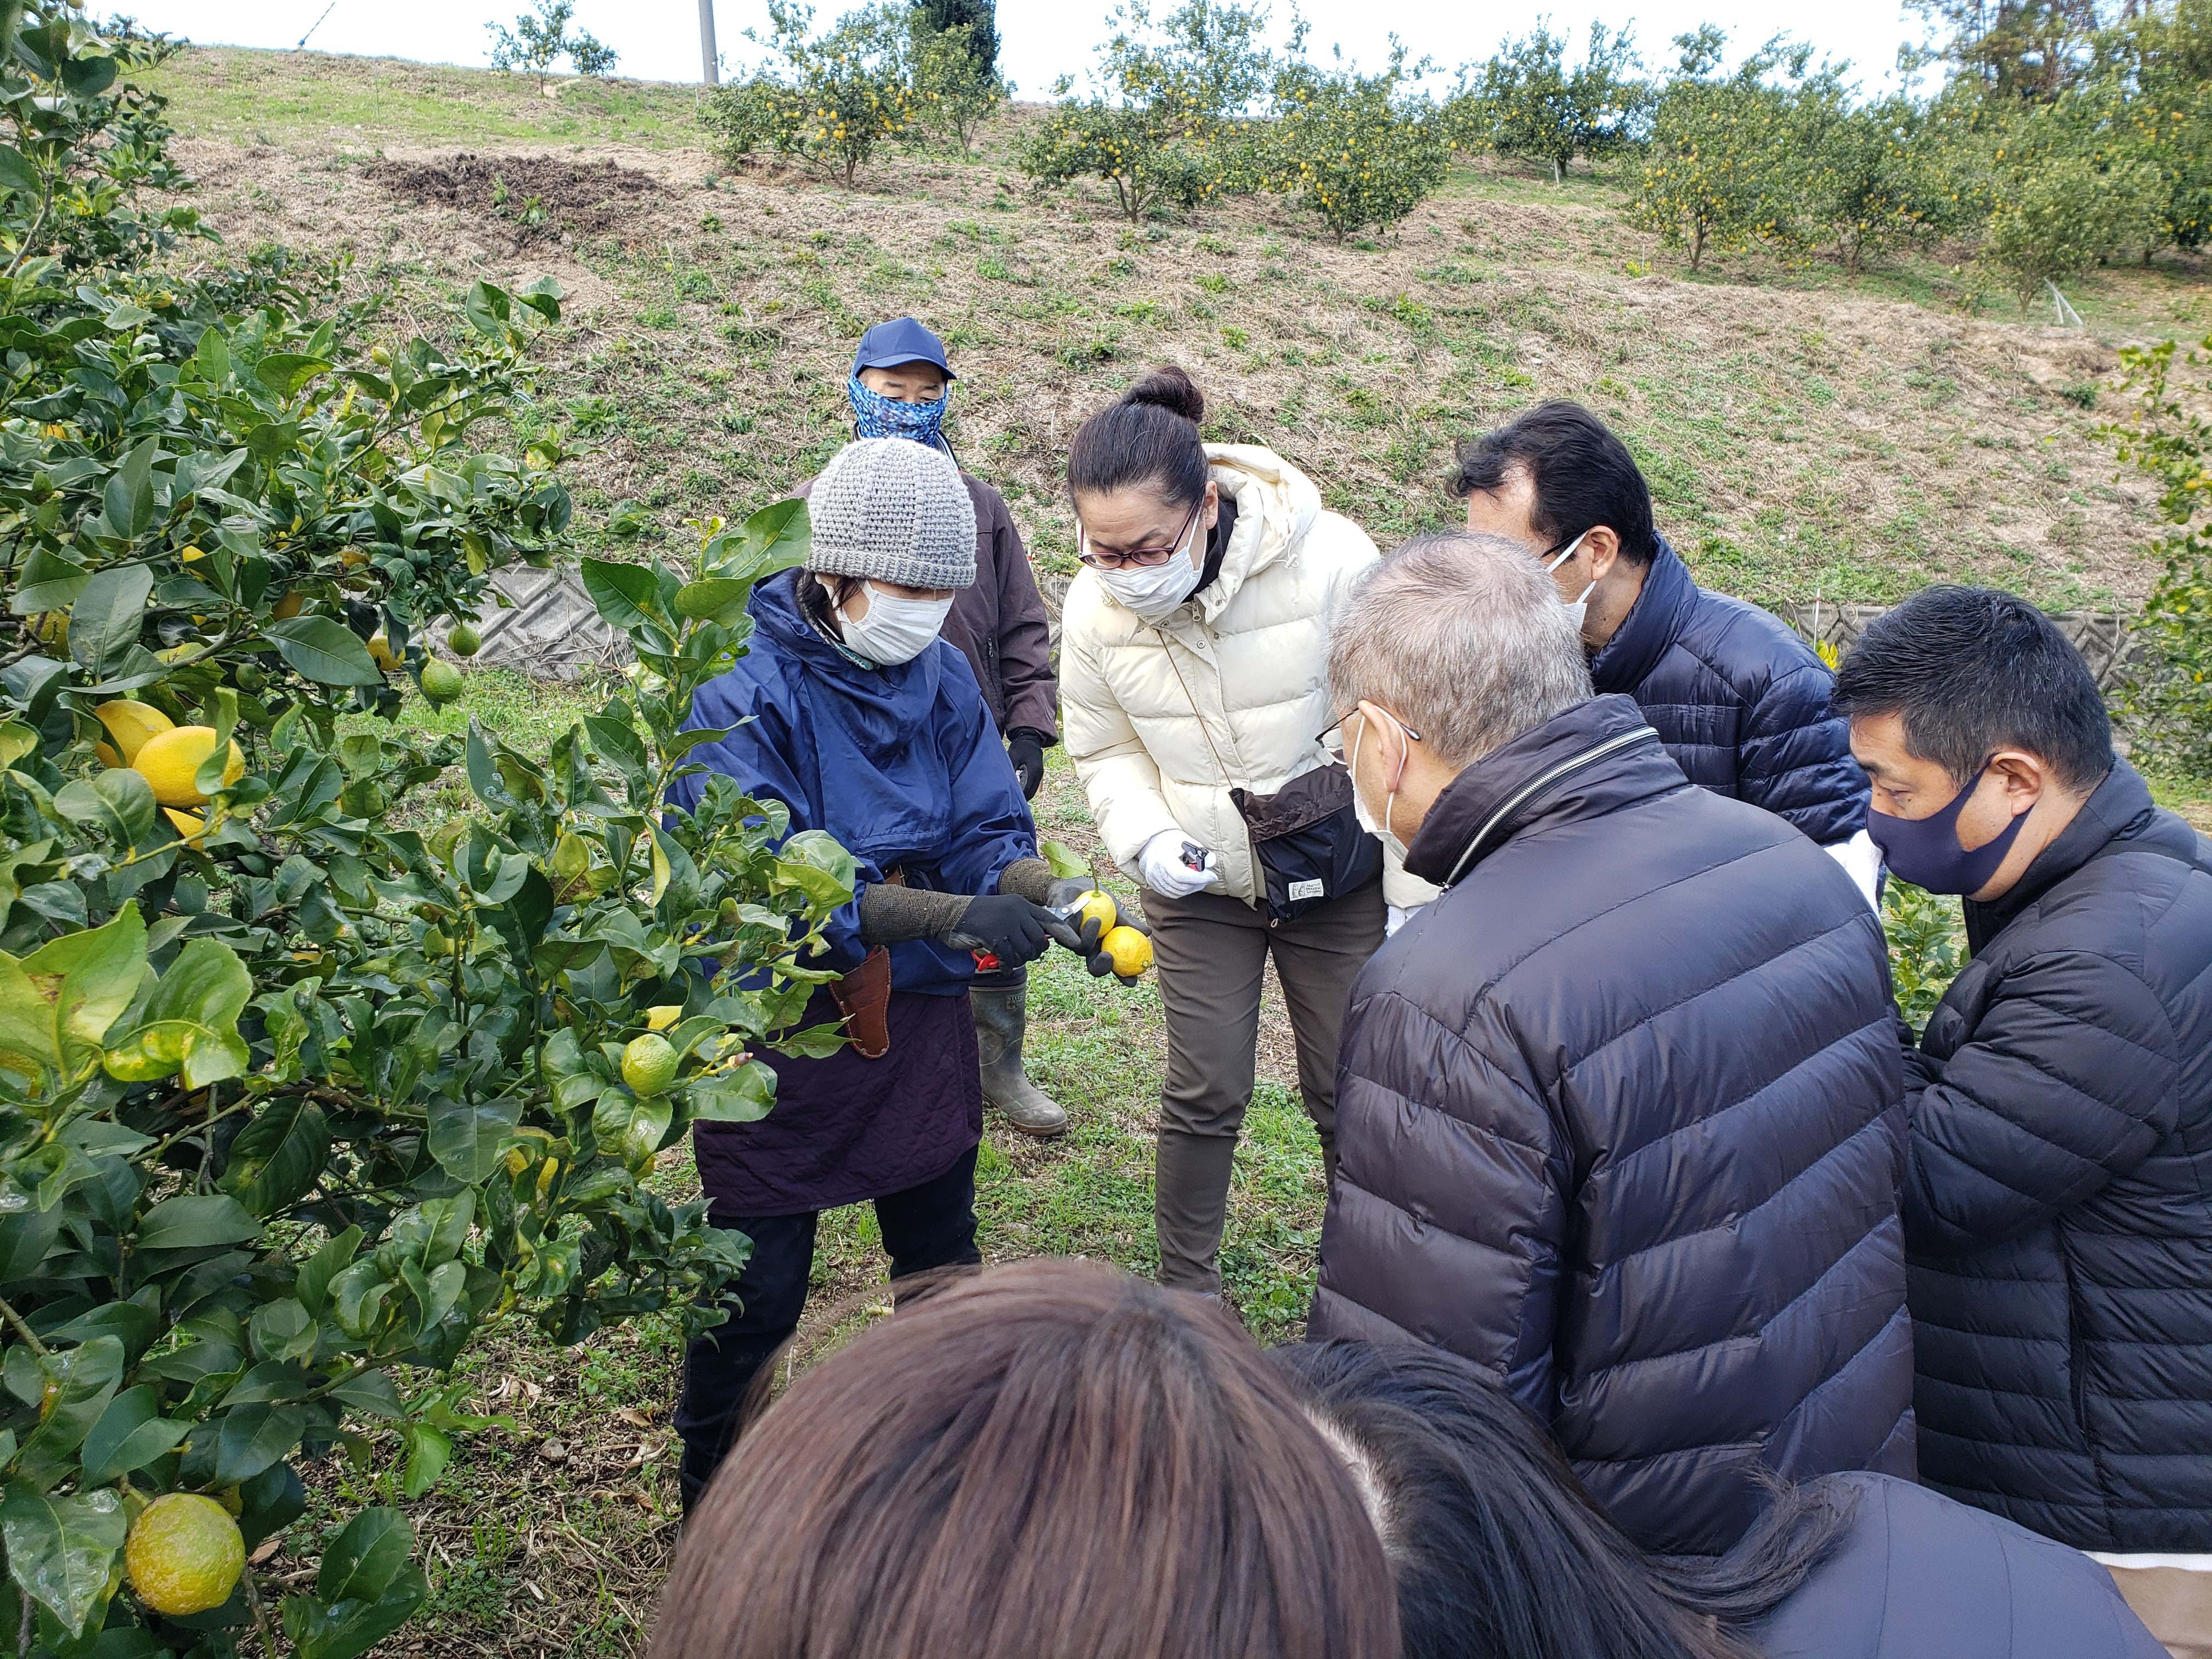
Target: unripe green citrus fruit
(464,640)
(441,681)
(649,1063)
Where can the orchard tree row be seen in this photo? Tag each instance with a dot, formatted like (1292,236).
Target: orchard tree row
(2057,139)
(305,1087)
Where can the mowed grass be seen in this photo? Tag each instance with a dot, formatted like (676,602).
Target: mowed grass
(270,97)
(553,1535)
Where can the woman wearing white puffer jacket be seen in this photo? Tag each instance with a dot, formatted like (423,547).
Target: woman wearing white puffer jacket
(1193,705)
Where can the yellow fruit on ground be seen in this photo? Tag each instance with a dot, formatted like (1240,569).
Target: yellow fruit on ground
(381,654)
(184,1554)
(649,1063)
(441,681)
(1097,907)
(1131,950)
(290,605)
(660,1019)
(189,825)
(129,724)
(170,760)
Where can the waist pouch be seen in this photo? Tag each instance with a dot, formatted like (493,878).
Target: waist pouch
(1308,840)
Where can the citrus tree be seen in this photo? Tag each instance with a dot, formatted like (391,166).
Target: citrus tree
(830,101)
(303,1088)
(2165,696)
(1354,149)
(1161,125)
(1533,106)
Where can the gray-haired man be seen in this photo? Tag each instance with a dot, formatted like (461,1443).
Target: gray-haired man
(1618,1114)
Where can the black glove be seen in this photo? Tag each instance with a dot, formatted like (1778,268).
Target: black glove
(1012,929)
(1063,894)
(1026,749)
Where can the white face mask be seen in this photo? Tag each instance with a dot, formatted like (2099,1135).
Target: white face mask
(1153,592)
(894,629)
(1579,608)
(1382,830)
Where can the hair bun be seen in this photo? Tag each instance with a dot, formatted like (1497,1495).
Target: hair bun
(1168,388)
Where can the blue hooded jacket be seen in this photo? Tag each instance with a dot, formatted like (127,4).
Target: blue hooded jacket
(901,764)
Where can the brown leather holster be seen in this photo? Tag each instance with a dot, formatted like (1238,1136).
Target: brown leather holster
(863,996)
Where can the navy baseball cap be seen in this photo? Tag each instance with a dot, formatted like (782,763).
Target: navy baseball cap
(901,340)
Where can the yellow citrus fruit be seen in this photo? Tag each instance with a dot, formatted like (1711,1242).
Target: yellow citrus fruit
(191,554)
(660,1019)
(381,654)
(170,760)
(184,1554)
(189,825)
(129,724)
(290,605)
(52,627)
(649,1063)
(1097,907)
(464,640)
(353,558)
(441,681)
(1131,950)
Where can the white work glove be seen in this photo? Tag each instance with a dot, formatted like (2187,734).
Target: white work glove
(1163,866)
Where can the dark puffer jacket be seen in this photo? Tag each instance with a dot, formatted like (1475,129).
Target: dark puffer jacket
(2059,1204)
(1917,1576)
(1618,1118)
(1741,702)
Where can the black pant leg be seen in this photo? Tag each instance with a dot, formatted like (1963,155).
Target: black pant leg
(931,1225)
(765,1302)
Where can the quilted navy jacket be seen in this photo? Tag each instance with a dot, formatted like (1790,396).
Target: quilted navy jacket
(1740,701)
(2059,1202)
(1917,1576)
(1618,1118)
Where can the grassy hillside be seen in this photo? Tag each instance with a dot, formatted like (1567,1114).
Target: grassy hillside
(1808,437)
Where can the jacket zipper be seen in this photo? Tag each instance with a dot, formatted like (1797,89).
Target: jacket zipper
(1521,797)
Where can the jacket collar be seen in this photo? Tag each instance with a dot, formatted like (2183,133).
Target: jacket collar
(1276,504)
(1652,624)
(2118,809)
(1594,758)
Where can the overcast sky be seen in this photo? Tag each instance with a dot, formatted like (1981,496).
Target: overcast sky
(659,39)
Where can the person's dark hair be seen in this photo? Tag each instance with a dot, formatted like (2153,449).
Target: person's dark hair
(1972,670)
(1498,1552)
(1149,438)
(1583,473)
(1050,1458)
(819,603)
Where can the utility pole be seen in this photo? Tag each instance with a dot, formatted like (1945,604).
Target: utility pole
(711,68)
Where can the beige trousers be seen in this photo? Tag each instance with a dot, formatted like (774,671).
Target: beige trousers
(1212,953)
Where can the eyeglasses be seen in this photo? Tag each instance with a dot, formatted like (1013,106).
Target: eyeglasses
(1335,728)
(1143,558)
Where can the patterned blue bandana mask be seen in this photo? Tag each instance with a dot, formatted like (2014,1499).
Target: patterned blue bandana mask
(878,416)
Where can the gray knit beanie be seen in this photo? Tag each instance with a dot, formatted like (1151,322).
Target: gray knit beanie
(895,510)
